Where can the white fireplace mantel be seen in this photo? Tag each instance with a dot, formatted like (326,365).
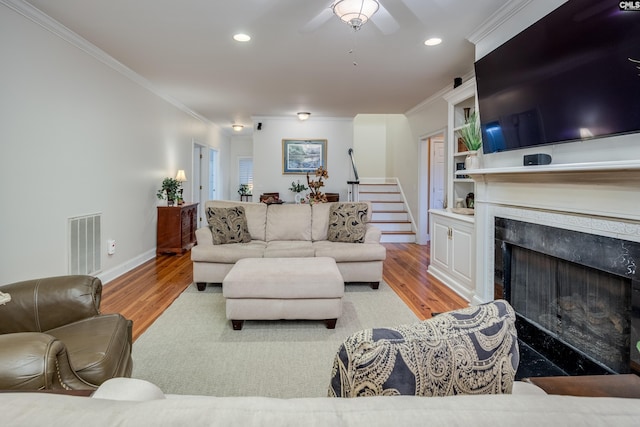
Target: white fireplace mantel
(596,197)
(624,172)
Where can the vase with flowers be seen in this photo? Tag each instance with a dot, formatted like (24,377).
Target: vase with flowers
(315,195)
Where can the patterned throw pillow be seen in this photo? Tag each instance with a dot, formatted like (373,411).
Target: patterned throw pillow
(228,225)
(469,351)
(347,222)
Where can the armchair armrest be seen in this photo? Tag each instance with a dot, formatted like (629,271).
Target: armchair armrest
(36,361)
(43,304)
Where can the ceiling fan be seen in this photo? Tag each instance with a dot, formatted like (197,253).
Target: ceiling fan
(355,13)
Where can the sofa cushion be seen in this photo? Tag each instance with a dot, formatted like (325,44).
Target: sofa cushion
(228,225)
(320,221)
(256,214)
(288,222)
(469,351)
(228,254)
(347,222)
(289,249)
(350,252)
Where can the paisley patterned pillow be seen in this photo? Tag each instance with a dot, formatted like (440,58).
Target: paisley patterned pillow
(347,222)
(469,351)
(228,225)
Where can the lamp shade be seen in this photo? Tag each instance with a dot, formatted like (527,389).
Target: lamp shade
(355,12)
(180,176)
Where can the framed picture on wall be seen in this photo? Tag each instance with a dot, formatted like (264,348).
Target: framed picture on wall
(303,155)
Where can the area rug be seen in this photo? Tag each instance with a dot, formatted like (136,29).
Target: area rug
(192,349)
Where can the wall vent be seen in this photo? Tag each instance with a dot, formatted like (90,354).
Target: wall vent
(84,244)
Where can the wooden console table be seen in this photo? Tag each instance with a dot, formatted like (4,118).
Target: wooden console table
(176,228)
(623,385)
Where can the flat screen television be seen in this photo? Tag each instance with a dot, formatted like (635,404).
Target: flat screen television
(573,75)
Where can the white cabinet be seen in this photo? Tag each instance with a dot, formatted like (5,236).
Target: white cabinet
(453,235)
(452,251)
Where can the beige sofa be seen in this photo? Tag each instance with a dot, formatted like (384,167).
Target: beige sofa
(286,231)
(132,402)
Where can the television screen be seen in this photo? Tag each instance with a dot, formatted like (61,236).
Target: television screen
(573,75)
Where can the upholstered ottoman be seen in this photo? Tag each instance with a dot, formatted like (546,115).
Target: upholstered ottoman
(283,288)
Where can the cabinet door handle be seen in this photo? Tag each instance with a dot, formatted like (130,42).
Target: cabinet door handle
(450,233)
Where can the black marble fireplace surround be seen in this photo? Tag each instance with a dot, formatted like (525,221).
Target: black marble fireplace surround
(576,297)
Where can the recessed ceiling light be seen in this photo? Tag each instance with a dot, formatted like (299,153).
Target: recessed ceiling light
(433,41)
(241,37)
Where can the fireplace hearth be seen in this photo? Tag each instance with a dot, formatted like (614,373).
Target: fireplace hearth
(576,296)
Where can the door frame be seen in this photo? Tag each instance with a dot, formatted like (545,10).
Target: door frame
(424,183)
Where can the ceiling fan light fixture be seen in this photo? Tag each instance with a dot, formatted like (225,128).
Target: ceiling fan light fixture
(355,13)
(303,115)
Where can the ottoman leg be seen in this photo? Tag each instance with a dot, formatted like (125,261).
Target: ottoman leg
(237,324)
(330,323)
(375,285)
(201,285)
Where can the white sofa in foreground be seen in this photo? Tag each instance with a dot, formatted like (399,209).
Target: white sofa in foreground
(131,402)
(287,231)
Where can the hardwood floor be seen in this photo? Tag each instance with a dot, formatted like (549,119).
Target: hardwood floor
(145,292)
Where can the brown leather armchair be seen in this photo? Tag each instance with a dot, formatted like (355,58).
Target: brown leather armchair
(52,336)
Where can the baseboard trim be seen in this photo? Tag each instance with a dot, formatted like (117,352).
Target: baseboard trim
(125,267)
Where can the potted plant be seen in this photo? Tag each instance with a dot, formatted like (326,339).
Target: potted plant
(244,190)
(472,139)
(169,190)
(317,196)
(298,188)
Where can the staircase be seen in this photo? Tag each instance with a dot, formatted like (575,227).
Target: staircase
(389,212)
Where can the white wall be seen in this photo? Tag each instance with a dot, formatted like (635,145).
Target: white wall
(78,138)
(370,145)
(267,153)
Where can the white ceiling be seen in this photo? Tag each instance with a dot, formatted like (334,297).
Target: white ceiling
(297,59)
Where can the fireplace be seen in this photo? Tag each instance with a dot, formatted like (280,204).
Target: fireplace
(576,296)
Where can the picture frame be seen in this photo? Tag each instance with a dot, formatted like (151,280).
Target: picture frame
(300,156)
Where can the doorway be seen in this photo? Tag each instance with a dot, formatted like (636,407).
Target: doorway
(205,182)
(431,183)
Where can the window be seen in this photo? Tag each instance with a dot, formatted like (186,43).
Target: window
(245,172)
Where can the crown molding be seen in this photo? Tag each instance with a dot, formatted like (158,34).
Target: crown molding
(437,96)
(45,21)
(502,15)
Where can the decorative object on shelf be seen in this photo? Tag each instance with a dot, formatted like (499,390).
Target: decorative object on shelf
(298,188)
(301,156)
(471,161)
(470,200)
(316,196)
(181,177)
(467,113)
(169,190)
(471,134)
(472,139)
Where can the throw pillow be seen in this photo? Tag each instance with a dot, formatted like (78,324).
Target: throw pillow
(468,351)
(347,222)
(228,225)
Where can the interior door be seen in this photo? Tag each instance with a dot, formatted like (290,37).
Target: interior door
(436,197)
